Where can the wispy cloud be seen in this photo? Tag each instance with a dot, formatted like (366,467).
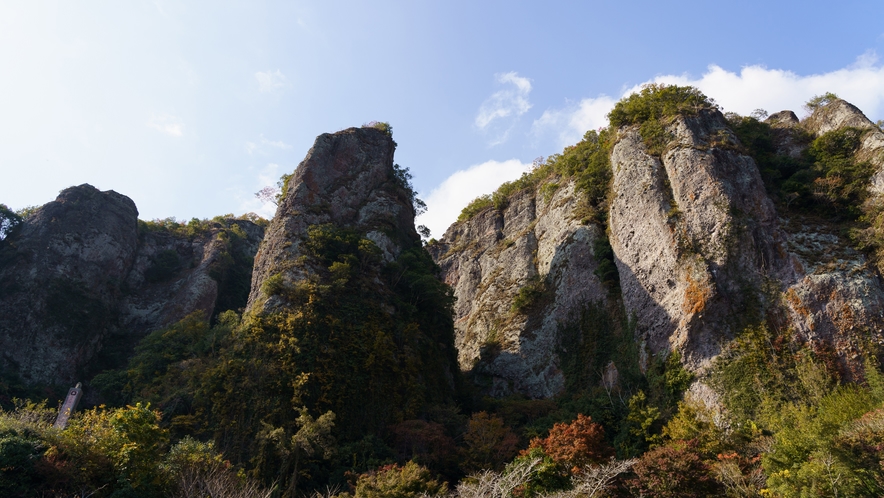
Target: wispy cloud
(447,200)
(269,81)
(263,143)
(500,111)
(753,87)
(166,123)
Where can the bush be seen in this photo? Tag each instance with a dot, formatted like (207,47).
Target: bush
(393,481)
(651,109)
(656,101)
(380,125)
(587,162)
(20,451)
(529,295)
(820,101)
(674,470)
(9,221)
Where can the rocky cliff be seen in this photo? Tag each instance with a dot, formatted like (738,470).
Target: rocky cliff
(704,247)
(537,244)
(342,275)
(347,180)
(81,277)
(695,236)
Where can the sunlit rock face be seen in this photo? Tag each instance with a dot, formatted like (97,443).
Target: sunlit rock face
(489,258)
(695,235)
(700,249)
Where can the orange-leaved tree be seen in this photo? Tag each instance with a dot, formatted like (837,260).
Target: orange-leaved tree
(580,443)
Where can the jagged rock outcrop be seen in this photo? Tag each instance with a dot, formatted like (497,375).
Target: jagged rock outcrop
(699,245)
(348,180)
(72,283)
(838,298)
(695,236)
(342,274)
(536,240)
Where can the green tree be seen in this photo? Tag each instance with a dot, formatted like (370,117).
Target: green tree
(9,221)
(312,438)
(394,481)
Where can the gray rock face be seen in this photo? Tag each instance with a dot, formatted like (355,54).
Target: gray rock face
(838,298)
(347,179)
(488,258)
(789,139)
(700,249)
(152,304)
(695,237)
(61,282)
(73,280)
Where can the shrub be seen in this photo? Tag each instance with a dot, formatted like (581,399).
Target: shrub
(9,221)
(163,266)
(651,109)
(20,451)
(674,470)
(820,101)
(380,125)
(424,442)
(656,101)
(529,295)
(394,481)
(549,476)
(125,442)
(587,162)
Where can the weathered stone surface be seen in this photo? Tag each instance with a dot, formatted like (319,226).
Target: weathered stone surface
(789,138)
(782,119)
(61,280)
(695,236)
(152,305)
(72,280)
(488,258)
(838,299)
(347,179)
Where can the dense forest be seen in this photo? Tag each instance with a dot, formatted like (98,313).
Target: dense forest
(348,384)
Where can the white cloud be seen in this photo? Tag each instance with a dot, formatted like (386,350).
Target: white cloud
(754,87)
(447,200)
(861,83)
(506,105)
(167,124)
(262,143)
(269,81)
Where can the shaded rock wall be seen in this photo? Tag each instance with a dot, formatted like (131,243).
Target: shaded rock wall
(347,179)
(72,282)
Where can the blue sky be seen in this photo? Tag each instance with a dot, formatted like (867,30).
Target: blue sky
(191,107)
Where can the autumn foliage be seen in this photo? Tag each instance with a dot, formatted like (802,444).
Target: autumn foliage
(489,443)
(580,443)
